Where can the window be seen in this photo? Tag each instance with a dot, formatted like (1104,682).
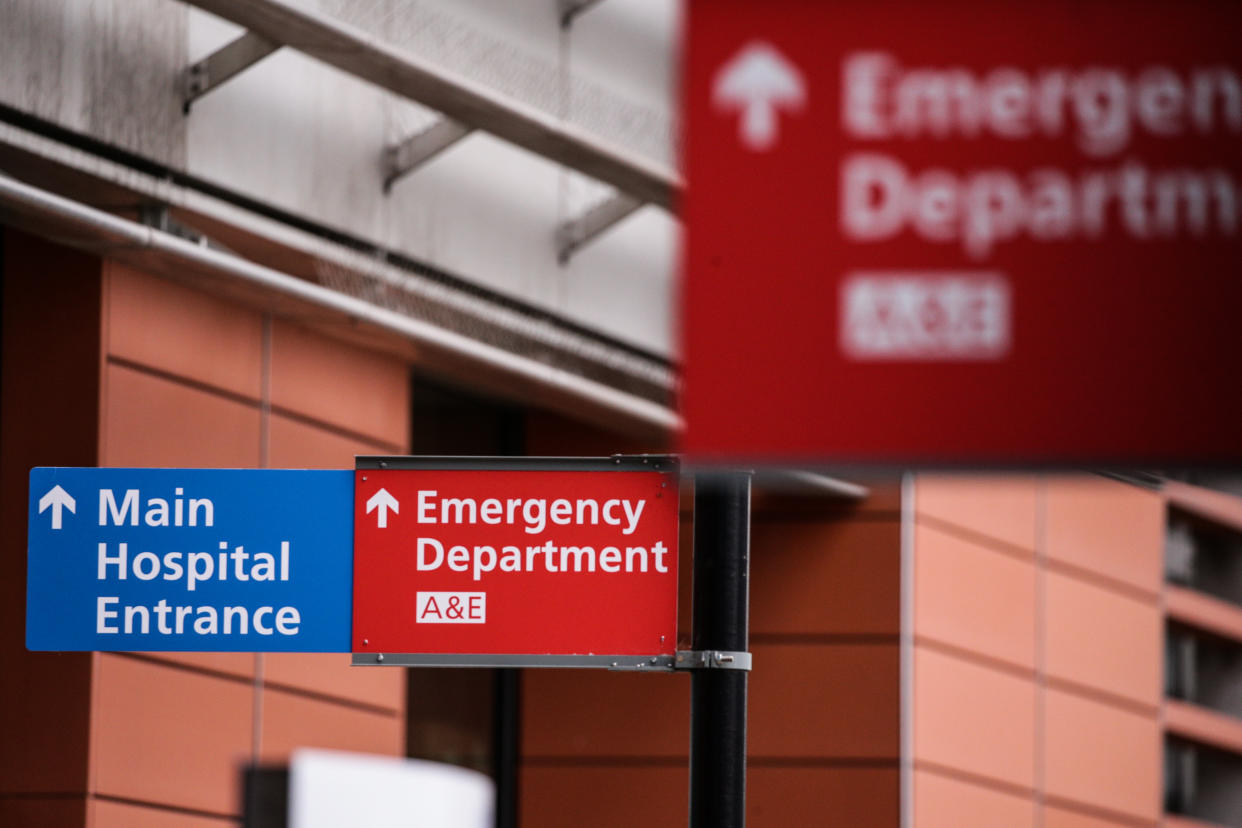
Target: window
(1203,669)
(1202,783)
(1204,557)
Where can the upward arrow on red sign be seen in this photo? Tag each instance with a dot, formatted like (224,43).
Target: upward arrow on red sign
(382,501)
(758,81)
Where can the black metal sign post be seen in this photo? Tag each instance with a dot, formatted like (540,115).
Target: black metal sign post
(719,659)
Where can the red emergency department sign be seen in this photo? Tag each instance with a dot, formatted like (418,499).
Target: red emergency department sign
(964,232)
(516,561)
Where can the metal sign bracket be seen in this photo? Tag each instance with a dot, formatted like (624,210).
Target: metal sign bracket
(712,660)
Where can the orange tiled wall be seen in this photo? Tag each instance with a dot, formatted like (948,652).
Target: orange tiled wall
(824,702)
(1037,657)
(191,380)
(605,749)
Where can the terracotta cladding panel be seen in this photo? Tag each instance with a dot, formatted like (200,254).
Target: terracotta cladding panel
(603,797)
(1108,528)
(857,797)
(149,421)
(40,812)
(598,713)
(1102,756)
(944,802)
(1102,639)
(793,685)
(1223,508)
(1062,818)
(240,665)
(1201,724)
(331,675)
(1000,508)
(973,718)
(885,495)
(825,577)
(179,330)
(298,445)
(1203,611)
(165,735)
(973,597)
(292,721)
(324,379)
(107,814)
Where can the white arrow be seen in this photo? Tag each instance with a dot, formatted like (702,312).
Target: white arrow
(383,501)
(758,81)
(59,500)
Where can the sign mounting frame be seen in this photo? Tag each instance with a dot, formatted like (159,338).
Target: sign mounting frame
(662,658)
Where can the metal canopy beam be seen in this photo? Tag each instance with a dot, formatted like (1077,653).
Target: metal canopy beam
(367,57)
(570,9)
(77,225)
(412,152)
(581,230)
(802,481)
(234,57)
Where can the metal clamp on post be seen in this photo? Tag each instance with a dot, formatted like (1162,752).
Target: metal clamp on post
(711,660)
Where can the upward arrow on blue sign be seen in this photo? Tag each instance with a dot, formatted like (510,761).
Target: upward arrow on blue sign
(189,560)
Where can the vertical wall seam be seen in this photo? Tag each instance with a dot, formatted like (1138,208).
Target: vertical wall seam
(1162,599)
(256,714)
(105,349)
(1041,633)
(906,652)
(265,394)
(101,455)
(265,442)
(92,737)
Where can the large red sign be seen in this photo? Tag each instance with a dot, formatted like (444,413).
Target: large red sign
(964,232)
(533,558)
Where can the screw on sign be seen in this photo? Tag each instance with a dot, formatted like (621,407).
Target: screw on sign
(993,233)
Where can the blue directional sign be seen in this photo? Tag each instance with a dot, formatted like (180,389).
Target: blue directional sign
(190,560)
